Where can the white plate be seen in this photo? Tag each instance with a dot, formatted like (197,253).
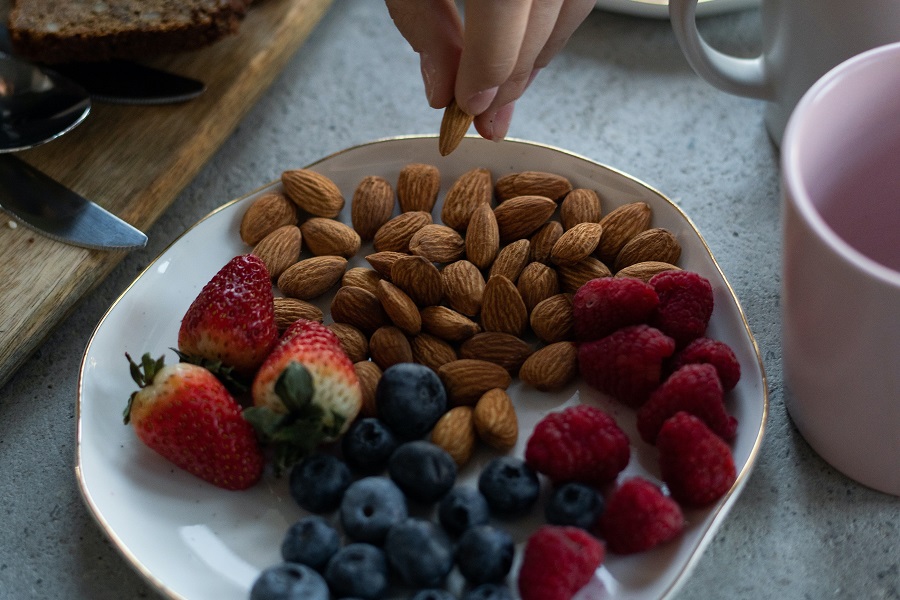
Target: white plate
(659,9)
(191,540)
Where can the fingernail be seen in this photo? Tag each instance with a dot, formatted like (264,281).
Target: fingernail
(479,101)
(498,124)
(426,65)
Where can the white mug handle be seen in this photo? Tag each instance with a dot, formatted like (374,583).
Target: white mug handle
(739,76)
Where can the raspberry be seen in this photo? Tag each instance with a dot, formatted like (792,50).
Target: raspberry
(685,305)
(626,364)
(606,304)
(694,462)
(558,561)
(694,389)
(719,354)
(581,443)
(638,516)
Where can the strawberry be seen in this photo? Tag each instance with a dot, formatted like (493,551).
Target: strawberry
(305,393)
(232,320)
(186,415)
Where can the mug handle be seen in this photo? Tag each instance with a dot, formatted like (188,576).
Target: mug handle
(739,76)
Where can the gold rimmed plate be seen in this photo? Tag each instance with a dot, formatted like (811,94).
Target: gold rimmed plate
(659,9)
(190,540)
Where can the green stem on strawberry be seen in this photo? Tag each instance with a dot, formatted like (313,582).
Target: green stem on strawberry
(296,433)
(227,375)
(142,375)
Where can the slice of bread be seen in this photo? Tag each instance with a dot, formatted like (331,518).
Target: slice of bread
(55,31)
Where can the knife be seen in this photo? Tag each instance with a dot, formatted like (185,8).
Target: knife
(123,82)
(52,209)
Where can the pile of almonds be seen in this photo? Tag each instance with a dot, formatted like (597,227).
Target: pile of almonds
(482,296)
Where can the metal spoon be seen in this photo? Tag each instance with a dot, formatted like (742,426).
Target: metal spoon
(36,105)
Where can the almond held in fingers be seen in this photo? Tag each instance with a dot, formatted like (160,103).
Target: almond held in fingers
(280,249)
(454,126)
(324,237)
(471,189)
(371,206)
(266,214)
(418,186)
(313,192)
(312,277)
(521,216)
(532,183)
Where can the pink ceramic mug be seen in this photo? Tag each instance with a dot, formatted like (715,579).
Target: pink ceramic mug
(841,260)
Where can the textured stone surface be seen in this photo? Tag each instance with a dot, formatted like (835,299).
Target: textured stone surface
(620,94)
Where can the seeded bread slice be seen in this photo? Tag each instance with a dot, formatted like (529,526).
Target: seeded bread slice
(54,31)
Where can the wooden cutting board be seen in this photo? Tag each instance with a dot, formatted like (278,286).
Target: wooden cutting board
(134,161)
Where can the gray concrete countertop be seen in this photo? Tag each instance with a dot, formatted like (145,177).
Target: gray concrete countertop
(621,94)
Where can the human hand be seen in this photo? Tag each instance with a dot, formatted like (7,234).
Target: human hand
(488,64)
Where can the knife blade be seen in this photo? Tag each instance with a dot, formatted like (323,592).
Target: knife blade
(47,206)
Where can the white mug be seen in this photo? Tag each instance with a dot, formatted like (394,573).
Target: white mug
(802,40)
(841,267)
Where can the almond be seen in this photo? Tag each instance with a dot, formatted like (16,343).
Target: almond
(521,216)
(358,307)
(482,237)
(417,187)
(311,277)
(353,341)
(532,183)
(646,270)
(572,277)
(502,307)
(280,249)
(394,235)
(389,346)
(362,277)
(656,244)
(437,243)
(400,308)
(266,214)
(580,206)
(448,324)
(313,192)
(455,433)
(383,262)
(467,379)
(536,283)
(323,236)
(463,287)
(502,349)
(543,240)
(372,205)
(454,125)
(470,190)
(288,310)
(619,226)
(576,244)
(431,351)
(369,374)
(511,260)
(419,278)
(495,420)
(552,367)
(553,320)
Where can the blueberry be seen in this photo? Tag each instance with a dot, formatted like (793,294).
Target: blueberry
(289,581)
(510,486)
(574,504)
(424,471)
(434,594)
(310,541)
(370,507)
(488,591)
(410,399)
(368,444)
(358,570)
(420,552)
(318,482)
(461,508)
(484,554)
